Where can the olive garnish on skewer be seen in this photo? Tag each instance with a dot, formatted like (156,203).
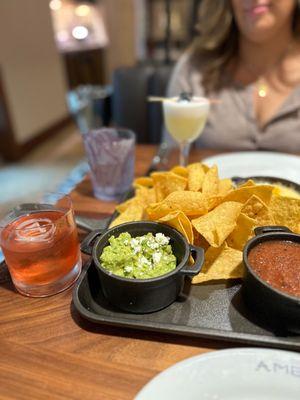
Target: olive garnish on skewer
(185,96)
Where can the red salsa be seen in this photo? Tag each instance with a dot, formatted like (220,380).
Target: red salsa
(278,263)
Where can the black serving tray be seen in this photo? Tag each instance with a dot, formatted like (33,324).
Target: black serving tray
(215,311)
(212,310)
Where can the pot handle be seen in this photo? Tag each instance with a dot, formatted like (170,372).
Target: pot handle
(87,243)
(192,270)
(270,229)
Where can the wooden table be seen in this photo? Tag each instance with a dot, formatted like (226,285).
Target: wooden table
(47,351)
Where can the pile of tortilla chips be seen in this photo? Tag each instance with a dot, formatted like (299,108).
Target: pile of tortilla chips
(210,212)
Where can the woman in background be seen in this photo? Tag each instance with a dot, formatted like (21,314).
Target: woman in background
(248,58)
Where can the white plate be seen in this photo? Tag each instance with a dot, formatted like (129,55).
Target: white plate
(257,163)
(234,374)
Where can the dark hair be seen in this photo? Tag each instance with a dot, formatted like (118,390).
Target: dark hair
(216,47)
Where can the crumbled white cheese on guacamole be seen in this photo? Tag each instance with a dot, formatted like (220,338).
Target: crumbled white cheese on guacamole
(139,257)
(156,257)
(161,239)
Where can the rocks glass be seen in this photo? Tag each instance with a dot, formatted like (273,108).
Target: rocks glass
(111,155)
(40,245)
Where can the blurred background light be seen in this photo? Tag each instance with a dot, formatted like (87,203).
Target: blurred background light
(62,36)
(83,10)
(55,5)
(80,32)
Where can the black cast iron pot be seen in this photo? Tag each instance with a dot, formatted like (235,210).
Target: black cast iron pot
(144,295)
(278,309)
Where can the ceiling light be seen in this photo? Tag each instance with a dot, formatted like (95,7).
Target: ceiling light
(80,32)
(82,11)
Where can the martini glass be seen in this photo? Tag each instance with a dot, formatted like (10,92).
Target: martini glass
(185,117)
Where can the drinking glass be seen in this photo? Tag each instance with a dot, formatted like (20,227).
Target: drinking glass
(111,155)
(40,245)
(185,119)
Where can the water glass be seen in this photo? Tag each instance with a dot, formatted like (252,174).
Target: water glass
(111,155)
(40,245)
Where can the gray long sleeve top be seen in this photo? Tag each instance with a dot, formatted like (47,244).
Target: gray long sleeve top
(231,122)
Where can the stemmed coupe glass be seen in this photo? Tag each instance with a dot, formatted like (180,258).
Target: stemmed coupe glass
(185,117)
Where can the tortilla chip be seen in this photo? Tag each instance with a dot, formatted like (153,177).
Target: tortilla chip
(256,209)
(166,183)
(200,241)
(179,221)
(210,186)
(217,225)
(243,194)
(225,186)
(221,263)
(143,181)
(145,195)
(286,212)
(243,231)
(123,206)
(205,167)
(180,170)
(156,211)
(196,176)
(213,202)
(190,203)
(248,183)
(133,213)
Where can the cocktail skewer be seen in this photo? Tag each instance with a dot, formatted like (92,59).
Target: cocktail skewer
(161,99)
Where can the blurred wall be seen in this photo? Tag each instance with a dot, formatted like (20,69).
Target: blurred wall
(121,26)
(31,67)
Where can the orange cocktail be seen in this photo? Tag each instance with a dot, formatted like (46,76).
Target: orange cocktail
(41,250)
